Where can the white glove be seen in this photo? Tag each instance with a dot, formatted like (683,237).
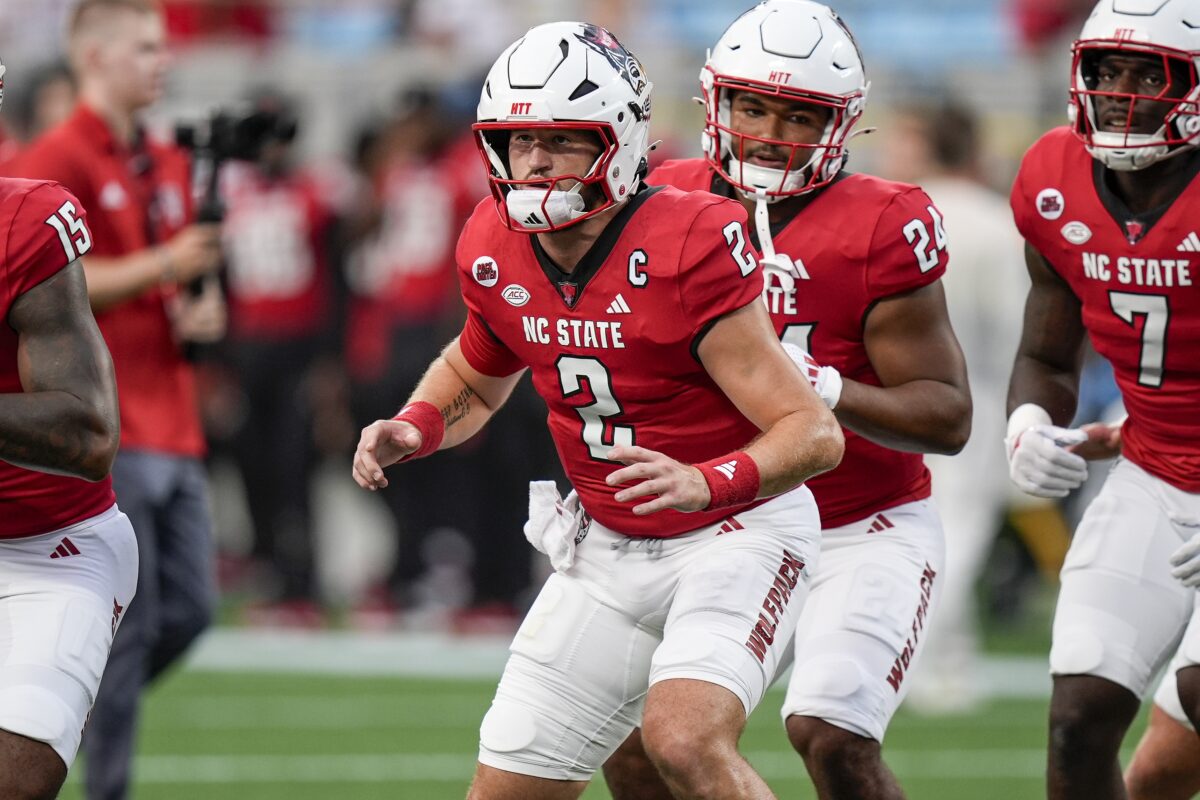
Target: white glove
(555,525)
(827,381)
(1038,461)
(1186,561)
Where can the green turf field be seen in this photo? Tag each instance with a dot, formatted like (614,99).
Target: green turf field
(288,737)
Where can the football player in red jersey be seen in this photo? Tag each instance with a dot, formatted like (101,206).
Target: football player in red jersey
(852,268)
(680,574)
(145,252)
(1108,209)
(68,557)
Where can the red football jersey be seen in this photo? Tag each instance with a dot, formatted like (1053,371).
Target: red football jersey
(860,240)
(275,235)
(1136,278)
(135,201)
(612,345)
(43,229)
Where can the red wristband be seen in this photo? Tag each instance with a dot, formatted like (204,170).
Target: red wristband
(732,480)
(428,421)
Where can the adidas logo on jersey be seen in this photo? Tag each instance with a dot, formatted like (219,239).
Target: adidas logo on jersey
(1191,244)
(730,525)
(727,469)
(65,549)
(881,523)
(618,306)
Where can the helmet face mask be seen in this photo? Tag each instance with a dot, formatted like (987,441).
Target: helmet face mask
(565,76)
(790,50)
(808,165)
(1128,127)
(545,203)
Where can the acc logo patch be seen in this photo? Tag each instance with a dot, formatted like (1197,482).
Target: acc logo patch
(1050,203)
(1076,232)
(485,271)
(515,294)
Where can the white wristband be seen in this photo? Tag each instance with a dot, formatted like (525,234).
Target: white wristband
(1024,417)
(831,389)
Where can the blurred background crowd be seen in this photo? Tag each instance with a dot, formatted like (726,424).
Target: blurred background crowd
(339,239)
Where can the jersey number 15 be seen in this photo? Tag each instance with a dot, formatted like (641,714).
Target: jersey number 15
(72,232)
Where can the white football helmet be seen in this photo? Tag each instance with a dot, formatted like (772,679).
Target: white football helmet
(1,83)
(565,75)
(1163,29)
(790,49)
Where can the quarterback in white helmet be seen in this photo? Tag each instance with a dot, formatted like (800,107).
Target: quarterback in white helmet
(636,310)
(597,89)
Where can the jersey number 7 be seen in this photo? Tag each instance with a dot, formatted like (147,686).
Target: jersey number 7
(1155,313)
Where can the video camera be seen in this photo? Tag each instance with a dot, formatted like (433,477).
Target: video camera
(237,135)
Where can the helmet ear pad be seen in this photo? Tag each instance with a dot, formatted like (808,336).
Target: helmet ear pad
(494,145)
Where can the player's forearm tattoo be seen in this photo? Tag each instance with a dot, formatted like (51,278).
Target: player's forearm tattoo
(459,407)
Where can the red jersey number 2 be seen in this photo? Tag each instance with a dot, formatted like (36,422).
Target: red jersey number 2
(577,374)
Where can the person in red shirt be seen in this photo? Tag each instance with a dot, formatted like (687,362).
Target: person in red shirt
(144,250)
(402,305)
(277,231)
(68,556)
(853,275)
(681,557)
(1108,208)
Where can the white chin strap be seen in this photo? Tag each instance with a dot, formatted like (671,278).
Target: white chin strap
(771,261)
(1127,153)
(528,208)
(764,179)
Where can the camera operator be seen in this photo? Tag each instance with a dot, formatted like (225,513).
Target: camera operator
(279,231)
(137,192)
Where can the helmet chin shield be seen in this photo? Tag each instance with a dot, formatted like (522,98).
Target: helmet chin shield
(792,50)
(541,204)
(1167,33)
(535,210)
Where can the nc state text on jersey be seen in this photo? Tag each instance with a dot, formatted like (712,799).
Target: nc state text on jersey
(1138,271)
(780,299)
(596,334)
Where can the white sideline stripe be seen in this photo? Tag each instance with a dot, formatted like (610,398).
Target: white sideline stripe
(438,655)
(322,713)
(950,764)
(427,655)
